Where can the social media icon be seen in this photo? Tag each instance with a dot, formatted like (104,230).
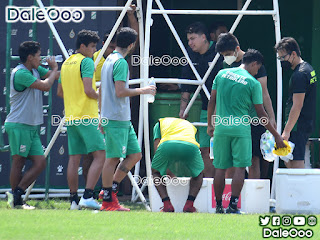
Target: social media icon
(312,221)
(264,220)
(299,220)
(276,221)
(286,220)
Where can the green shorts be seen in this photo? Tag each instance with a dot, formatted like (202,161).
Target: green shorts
(232,151)
(121,139)
(204,138)
(182,158)
(84,138)
(24,140)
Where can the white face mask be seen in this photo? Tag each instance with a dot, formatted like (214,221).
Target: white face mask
(231,59)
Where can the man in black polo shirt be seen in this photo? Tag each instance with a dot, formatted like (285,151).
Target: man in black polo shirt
(201,53)
(228,46)
(300,112)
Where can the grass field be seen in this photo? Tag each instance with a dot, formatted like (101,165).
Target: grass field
(52,220)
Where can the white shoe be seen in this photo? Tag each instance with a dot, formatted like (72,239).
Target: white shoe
(89,203)
(25,206)
(10,200)
(74,206)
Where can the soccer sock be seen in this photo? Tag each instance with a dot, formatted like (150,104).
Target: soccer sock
(234,202)
(165,199)
(115,186)
(17,193)
(191,198)
(88,193)
(74,197)
(219,203)
(107,197)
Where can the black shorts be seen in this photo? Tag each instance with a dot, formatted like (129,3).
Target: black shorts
(300,140)
(256,132)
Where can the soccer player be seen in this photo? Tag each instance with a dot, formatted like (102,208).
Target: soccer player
(233,93)
(300,112)
(26,114)
(78,89)
(177,149)
(228,46)
(201,54)
(120,137)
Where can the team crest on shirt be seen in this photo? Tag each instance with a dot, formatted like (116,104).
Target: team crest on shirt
(124,149)
(23,148)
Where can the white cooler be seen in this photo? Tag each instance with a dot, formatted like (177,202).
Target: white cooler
(298,191)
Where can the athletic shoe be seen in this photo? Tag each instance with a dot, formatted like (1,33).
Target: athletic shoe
(188,207)
(10,200)
(232,210)
(101,195)
(74,206)
(25,206)
(89,203)
(116,203)
(112,206)
(167,207)
(219,209)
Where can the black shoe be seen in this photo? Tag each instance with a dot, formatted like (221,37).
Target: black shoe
(219,209)
(232,210)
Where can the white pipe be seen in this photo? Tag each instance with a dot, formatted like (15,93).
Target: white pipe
(234,26)
(46,152)
(145,102)
(112,33)
(200,124)
(140,124)
(214,12)
(97,8)
(279,94)
(53,29)
(143,187)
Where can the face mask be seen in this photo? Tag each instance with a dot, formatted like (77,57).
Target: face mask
(286,64)
(230,59)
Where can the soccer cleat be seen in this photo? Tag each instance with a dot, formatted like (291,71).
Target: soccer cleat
(232,210)
(167,207)
(112,206)
(74,206)
(219,209)
(188,207)
(116,203)
(89,203)
(26,206)
(10,200)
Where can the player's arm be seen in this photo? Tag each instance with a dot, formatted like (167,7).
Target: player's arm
(267,103)
(45,85)
(211,109)
(185,97)
(263,115)
(297,99)
(155,144)
(123,91)
(60,90)
(88,90)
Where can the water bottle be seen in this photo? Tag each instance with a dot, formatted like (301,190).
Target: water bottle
(211,148)
(58,59)
(150,97)
(267,146)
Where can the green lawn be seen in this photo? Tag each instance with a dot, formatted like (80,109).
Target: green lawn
(52,220)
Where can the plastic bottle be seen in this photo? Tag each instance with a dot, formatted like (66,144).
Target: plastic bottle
(58,59)
(267,145)
(150,97)
(211,148)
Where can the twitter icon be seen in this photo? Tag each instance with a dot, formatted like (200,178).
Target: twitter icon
(264,221)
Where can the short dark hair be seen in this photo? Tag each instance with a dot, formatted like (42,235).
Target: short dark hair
(86,37)
(252,55)
(289,44)
(113,39)
(226,42)
(198,28)
(28,48)
(214,27)
(126,36)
